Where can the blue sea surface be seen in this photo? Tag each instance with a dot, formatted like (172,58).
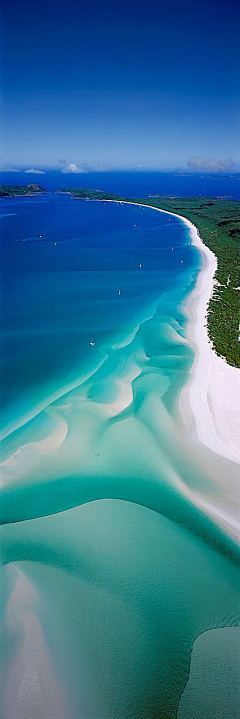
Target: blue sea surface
(72,275)
(112,570)
(135,184)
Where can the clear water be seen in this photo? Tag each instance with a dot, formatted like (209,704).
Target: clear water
(135,184)
(111,571)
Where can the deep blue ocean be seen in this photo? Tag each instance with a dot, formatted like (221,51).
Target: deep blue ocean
(135,184)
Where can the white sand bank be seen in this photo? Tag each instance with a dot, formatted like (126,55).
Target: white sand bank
(32,689)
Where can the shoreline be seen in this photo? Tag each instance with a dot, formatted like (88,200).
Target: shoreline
(212,392)
(209,401)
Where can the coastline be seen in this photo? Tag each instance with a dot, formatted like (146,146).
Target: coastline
(209,401)
(212,392)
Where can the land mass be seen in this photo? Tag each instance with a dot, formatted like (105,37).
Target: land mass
(217,220)
(85,193)
(18,190)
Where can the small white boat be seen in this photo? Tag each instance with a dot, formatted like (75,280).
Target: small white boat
(119,292)
(140,264)
(92,344)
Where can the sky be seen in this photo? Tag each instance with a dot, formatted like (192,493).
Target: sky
(120,85)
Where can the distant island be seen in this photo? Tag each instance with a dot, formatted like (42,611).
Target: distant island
(85,193)
(18,190)
(218,224)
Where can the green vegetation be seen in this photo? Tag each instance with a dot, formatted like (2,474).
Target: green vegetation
(85,193)
(218,222)
(17,190)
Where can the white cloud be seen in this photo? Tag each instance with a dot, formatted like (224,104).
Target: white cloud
(71,168)
(7,167)
(32,171)
(199,163)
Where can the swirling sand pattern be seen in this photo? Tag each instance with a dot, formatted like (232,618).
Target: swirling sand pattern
(112,569)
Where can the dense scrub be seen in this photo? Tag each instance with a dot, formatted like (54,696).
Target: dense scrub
(16,190)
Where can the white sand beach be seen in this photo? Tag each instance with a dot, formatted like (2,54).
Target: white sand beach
(210,402)
(213,392)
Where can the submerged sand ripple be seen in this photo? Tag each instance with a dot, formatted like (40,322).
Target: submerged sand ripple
(118,541)
(132,578)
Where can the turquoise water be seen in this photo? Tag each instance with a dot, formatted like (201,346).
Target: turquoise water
(111,572)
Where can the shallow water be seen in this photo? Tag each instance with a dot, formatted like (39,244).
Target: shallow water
(111,569)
